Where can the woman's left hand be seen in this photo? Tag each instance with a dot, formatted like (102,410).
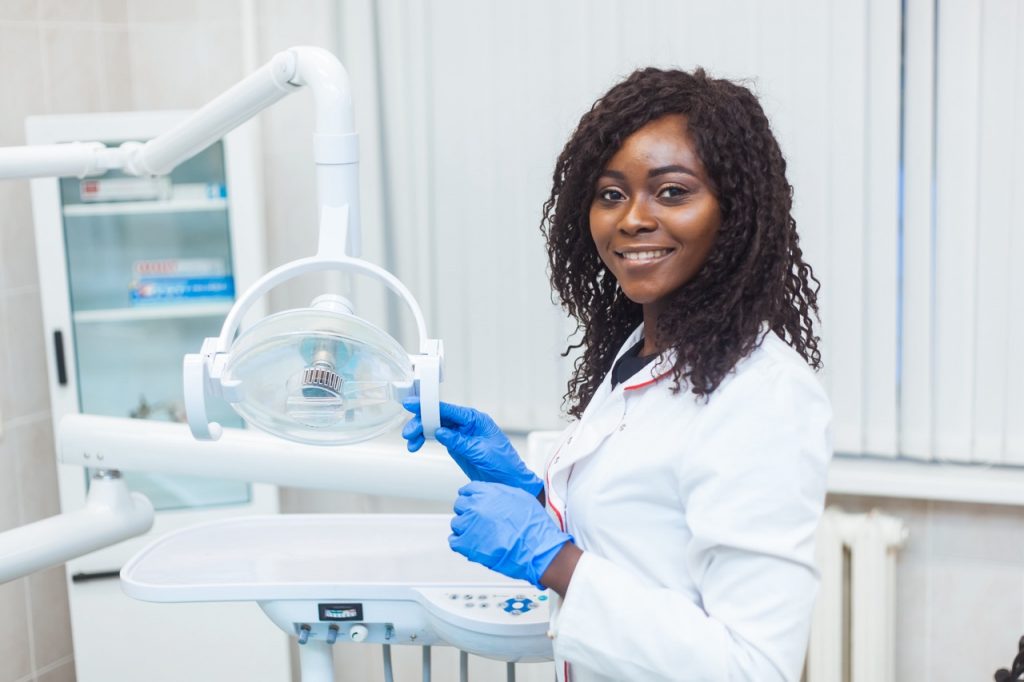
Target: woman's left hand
(505,529)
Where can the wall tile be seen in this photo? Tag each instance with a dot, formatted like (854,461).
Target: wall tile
(165,67)
(977,532)
(221,12)
(19,10)
(15,661)
(10,509)
(72,69)
(284,23)
(912,641)
(974,620)
(22,329)
(161,11)
(24,90)
(51,620)
(117,87)
(219,48)
(36,469)
(18,267)
(67,10)
(112,11)
(62,673)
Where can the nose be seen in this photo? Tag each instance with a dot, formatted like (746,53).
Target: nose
(638,218)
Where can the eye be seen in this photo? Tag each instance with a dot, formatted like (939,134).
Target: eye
(673,192)
(611,195)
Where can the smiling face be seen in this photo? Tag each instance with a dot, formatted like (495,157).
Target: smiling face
(654,217)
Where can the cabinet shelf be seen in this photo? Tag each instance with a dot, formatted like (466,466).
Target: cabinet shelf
(168,311)
(140,207)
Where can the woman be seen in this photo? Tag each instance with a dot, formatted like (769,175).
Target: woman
(682,503)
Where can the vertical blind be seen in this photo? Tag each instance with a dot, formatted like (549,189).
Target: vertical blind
(898,124)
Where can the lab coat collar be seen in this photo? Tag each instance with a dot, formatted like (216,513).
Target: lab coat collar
(651,374)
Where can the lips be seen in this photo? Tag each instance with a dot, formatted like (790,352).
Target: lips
(643,255)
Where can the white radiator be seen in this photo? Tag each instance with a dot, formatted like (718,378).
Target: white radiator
(853,629)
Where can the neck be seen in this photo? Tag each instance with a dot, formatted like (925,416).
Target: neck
(652,345)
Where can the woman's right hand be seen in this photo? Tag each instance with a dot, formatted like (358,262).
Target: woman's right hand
(476,444)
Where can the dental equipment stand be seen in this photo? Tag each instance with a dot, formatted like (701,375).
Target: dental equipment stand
(373,578)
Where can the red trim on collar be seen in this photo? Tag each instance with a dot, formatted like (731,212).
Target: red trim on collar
(648,382)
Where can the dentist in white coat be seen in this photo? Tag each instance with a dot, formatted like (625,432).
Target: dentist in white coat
(676,518)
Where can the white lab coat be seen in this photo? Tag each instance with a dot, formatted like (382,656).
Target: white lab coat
(697,521)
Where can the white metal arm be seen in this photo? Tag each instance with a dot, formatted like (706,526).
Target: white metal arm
(111,514)
(374,467)
(161,154)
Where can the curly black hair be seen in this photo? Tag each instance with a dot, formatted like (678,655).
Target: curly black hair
(754,280)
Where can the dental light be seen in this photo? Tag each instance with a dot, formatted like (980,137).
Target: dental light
(318,375)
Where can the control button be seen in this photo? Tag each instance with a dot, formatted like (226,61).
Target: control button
(520,596)
(469,605)
(514,613)
(518,605)
(467,596)
(484,605)
(481,596)
(542,597)
(453,596)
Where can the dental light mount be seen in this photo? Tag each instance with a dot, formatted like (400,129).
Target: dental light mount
(315,375)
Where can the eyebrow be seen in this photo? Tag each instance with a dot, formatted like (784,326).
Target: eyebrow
(674,168)
(654,172)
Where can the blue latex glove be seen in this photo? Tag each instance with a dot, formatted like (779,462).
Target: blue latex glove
(476,444)
(505,529)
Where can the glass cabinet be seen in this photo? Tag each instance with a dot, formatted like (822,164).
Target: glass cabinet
(149,272)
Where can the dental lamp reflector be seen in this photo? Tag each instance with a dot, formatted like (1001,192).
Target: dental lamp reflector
(319,375)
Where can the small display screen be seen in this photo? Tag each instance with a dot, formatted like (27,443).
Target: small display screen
(341,612)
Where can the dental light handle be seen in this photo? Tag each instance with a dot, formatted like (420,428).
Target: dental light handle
(312,264)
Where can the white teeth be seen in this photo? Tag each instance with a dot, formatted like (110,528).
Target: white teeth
(645,255)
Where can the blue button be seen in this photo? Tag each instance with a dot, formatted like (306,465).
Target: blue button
(517,606)
(542,597)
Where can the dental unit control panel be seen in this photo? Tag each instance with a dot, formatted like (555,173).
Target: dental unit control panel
(504,624)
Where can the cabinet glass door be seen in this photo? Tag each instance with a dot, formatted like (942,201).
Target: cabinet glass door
(149,268)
